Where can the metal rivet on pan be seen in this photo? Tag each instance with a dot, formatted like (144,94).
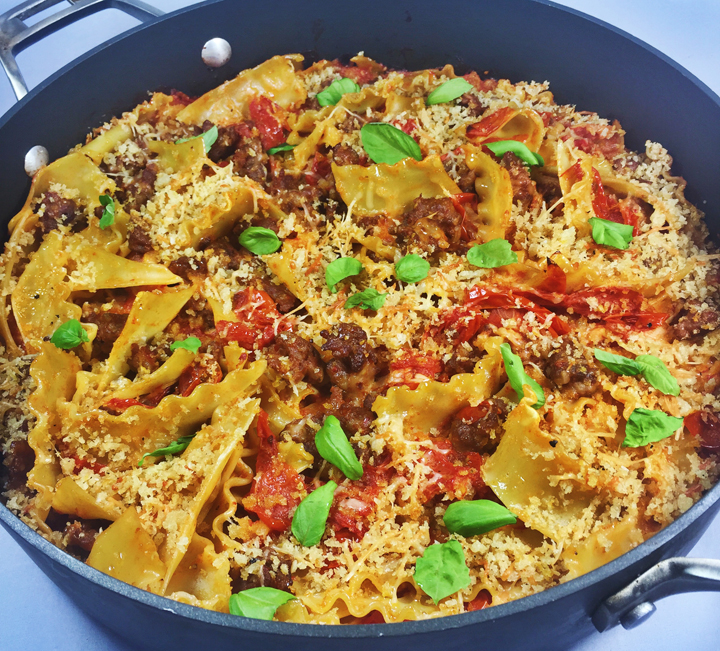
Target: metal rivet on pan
(216,52)
(36,159)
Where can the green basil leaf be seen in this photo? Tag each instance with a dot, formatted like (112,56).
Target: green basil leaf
(333,446)
(308,523)
(617,363)
(472,518)
(657,375)
(518,377)
(259,240)
(412,268)
(341,269)
(495,253)
(334,92)
(649,426)
(441,570)
(449,91)
(368,299)
(69,335)
(279,148)
(259,603)
(607,233)
(384,143)
(520,149)
(191,343)
(176,447)
(208,137)
(108,216)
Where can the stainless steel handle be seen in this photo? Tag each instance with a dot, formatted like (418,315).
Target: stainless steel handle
(635,603)
(15,35)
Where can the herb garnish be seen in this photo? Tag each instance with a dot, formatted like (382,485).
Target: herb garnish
(495,253)
(518,377)
(69,335)
(176,447)
(520,149)
(472,518)
(449,91)
(340,269)
(284,147)
(190,343)
(333,446)
(442,571)
(652,369)
(259,240)
(384,143)
(108,215)
(208,137)
(649,426)
(612,234)
(368,299)
(308,523)
(334,92)
(412,268)
(258,603)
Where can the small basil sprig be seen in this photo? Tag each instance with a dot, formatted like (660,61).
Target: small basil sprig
(208,137)
(259,603)
(649,426)
(449,91)
(520,149)
(334,92)
(108,215)
(308,523)
(368,299)
(612,234)
(176,447)
(652,369)
(518,377)
(284,147)
(384,143)
(259,240)
(190,343)
(333,446)
(442,571)
(495,253)
(412,268)
(472,518)
(341,269)
(69,335)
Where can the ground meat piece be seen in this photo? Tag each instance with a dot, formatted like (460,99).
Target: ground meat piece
(466,176)
(229,257)
(432,224)
(459,364)
(524,190)
(349,345)
(548,185)
(350,123)
(268,578)
(696,318)
(110,325)
(149,358)
(475,107)
(251,160)
(59,211)
(354,419)
(294,193)
(300,432)
(134,194)
(226,143)
(479,429)
(19,461)
(185,267)
(345,155)
(80,534)
(292,355)
(138,240)
(285,300)
(568,369)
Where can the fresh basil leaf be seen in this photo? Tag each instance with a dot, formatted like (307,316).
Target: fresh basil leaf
(334,92)
(191,343)
(649,426)
(368,299)
(412,268)
(69,335)
(208,137)
(495,253)
(617,363)
(384,143)
(612,234)
(108,215)
(333,446)
(657,374)
(341,269)
(520,149)
(308,523)
(449,91)
(259,603)
(472,518)
(259,240)
(279,148)
(442,571)
(518,377)
(176,447)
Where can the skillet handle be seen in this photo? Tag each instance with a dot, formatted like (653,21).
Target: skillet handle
(634,604)
(15,35)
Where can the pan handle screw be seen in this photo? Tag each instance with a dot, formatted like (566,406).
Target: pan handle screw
(216,52)
(36,158)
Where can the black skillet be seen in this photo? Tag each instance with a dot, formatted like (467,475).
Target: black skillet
(589,64)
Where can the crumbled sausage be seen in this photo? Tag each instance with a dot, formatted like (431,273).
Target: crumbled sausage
(186,267)
(433,224)
(285,300)
(345,155)
(137,192)
(479,429)
(698,317)
(138,240)
(109,324)
(569,370)
(61,212)
(524,190)
(349,346)
(292,355)
(18,461)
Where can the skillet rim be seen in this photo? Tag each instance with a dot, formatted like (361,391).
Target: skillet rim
(282,629)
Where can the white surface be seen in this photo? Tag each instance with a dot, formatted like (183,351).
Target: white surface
(34,614)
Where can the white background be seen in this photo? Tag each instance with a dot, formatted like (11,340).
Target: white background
(34,614)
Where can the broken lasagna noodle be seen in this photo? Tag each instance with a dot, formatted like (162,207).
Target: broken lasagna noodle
(418,384)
